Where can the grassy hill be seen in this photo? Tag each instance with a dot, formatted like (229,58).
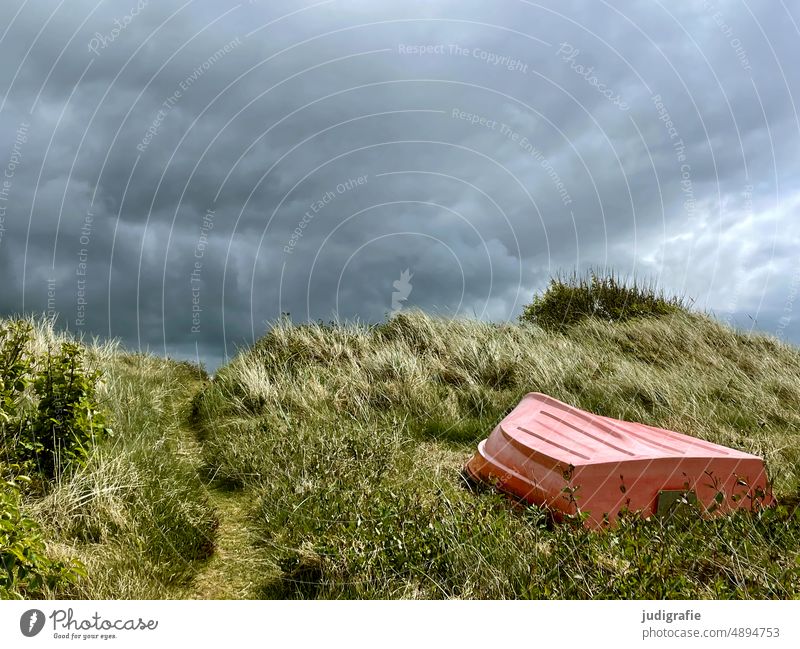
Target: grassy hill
(325,461)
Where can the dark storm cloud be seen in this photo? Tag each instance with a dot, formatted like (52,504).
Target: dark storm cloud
(190,170)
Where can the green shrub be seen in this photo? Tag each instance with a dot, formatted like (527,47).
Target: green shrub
(571,299)
(15,363)
(15,370)
(69,421)
(25,569)
(49,415)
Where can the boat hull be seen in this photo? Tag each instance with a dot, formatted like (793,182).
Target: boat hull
(548,453)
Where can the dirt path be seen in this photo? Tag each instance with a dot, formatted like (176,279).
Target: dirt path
(236,568)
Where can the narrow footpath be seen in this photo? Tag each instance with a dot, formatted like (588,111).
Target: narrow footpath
(236,569)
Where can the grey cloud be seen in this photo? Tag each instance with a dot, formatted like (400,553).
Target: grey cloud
(322,95)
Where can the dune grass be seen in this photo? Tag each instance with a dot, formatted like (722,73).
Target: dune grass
(326,461)
(136,515)
(352,439)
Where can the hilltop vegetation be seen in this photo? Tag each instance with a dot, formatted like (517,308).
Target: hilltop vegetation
(574,298)
(342,447)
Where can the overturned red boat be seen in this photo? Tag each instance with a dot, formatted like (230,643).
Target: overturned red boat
(549,453)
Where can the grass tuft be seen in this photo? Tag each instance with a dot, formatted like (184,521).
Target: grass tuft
(572,298)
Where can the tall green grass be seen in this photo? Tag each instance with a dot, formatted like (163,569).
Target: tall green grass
(353,438)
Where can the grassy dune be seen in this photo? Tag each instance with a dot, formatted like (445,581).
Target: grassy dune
(325,461)
(352,441)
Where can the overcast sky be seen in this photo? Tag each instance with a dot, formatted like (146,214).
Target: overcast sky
(178,174)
